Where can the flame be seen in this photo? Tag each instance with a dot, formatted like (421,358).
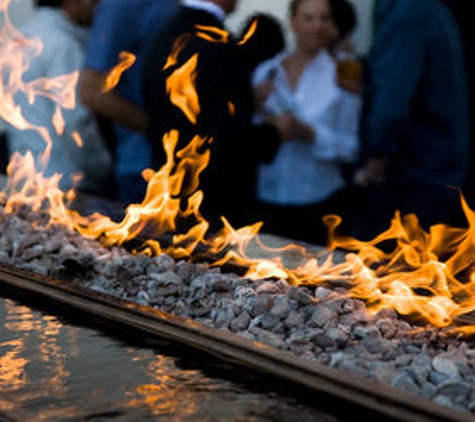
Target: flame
(182,90)
(219,35)
(17,52)
(249,33)
(212,34)
(177,48)
(58,121)
(126,60)
(425,275)
(77,139)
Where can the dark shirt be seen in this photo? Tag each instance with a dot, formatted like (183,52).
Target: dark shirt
(461,10)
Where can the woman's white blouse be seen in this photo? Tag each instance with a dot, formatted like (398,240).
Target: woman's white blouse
(305,173)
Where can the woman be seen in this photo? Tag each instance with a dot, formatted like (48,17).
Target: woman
(305,180)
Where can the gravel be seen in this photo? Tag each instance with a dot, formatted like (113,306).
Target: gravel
(322,324)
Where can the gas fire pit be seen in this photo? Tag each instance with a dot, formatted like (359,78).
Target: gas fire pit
(316,335)
(388,330)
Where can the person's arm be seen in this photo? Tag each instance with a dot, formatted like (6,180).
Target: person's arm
(110,104)
(113,32)
(373,173)
(396,67)
(337,135)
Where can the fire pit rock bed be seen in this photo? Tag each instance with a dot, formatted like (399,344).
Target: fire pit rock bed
(317,324)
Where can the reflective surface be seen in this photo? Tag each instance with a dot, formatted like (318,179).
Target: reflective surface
(53,369)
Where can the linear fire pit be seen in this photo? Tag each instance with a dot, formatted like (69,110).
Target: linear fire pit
(357,393)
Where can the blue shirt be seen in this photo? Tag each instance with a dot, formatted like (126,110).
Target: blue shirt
(415,104)
(127,25)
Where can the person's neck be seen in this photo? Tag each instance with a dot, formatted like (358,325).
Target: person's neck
(303,56)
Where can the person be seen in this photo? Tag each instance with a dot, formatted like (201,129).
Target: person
(305,181)
(224,93)
(415,128)
(123,26)
(58,29)
(462,13)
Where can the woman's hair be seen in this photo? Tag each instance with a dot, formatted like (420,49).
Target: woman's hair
(50,3)
(293,7)
(267,40)
(344,15)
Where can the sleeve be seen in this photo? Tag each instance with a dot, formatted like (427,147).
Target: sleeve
(259,74)
(395,68)
(338,138)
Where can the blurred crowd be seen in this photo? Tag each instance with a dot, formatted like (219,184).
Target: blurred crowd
(293,133)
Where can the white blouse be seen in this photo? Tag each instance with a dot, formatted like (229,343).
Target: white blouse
(305,173)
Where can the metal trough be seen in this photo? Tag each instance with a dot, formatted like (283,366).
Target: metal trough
(350,394)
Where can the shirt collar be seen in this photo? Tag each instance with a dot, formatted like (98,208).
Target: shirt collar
(208,6)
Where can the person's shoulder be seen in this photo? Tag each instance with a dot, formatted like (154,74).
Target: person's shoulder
(270,63)
(115,4)
(118,9)
(45,18)
(412,11)
(136,7)
(113,7)
(405,17)
(49,27)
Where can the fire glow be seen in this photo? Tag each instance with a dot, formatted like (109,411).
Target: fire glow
(428,275)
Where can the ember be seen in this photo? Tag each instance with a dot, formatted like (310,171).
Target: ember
(389,315)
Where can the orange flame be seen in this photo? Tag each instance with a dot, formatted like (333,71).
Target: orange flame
(126,60)
(17,52)
(212,34)
(182,91)
(249,33)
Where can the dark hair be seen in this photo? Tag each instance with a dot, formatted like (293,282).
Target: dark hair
(344,15)
(267,40)
(50,3)
(293,6)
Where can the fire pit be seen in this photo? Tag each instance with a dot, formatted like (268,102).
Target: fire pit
(396,319)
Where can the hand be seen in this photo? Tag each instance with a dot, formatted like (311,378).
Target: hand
(261,92)
(373,173)
(291,128)
(284,125)
(349,75)
(301,130)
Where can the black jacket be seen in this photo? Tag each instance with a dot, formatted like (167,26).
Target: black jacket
(237,146)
